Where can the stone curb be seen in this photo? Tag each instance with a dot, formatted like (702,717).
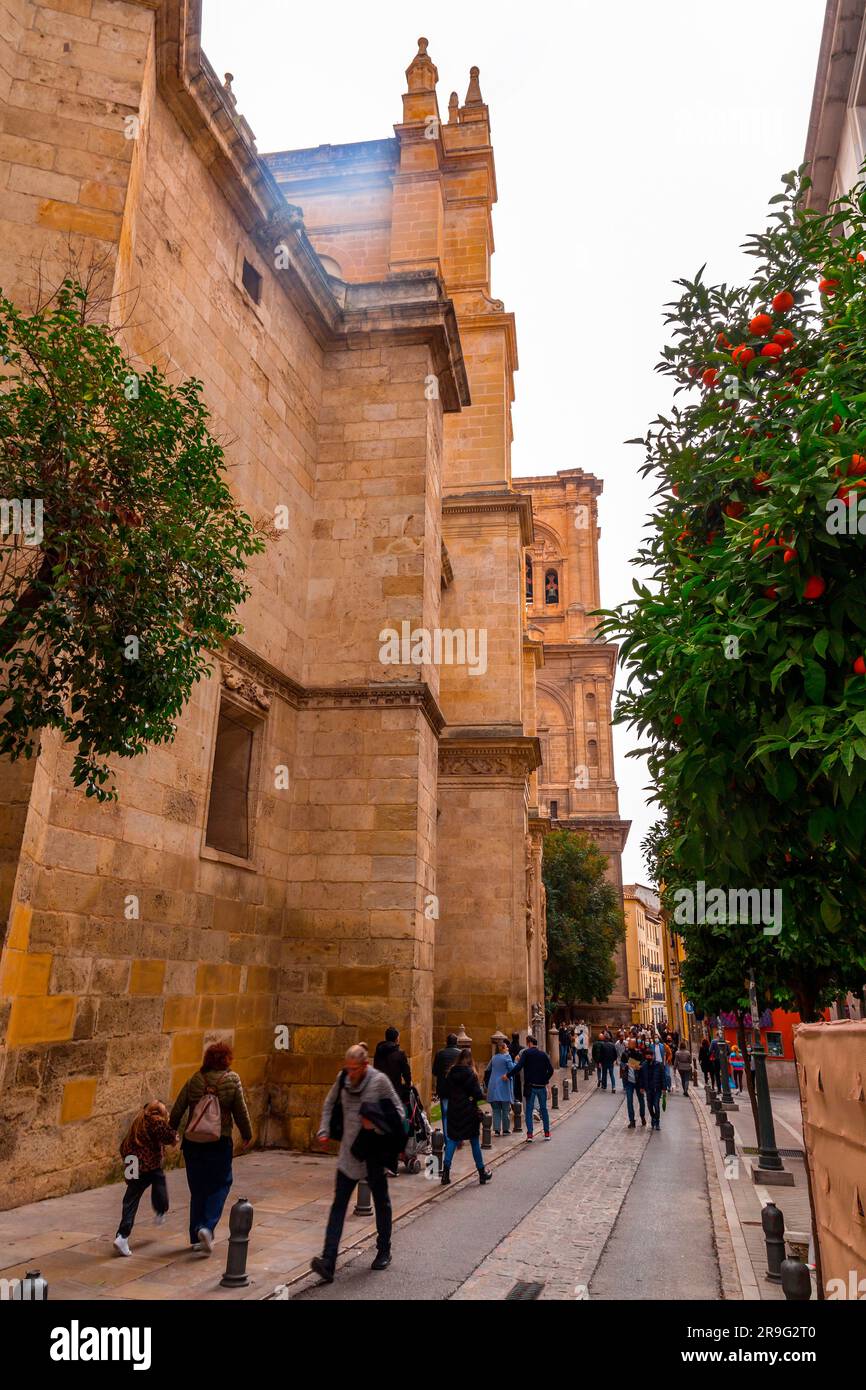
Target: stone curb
(735,1265)
(438,1194)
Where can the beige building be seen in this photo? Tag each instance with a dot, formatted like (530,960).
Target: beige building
(646,950)
(577,781)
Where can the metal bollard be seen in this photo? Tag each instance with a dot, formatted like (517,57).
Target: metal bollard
(31,1288)
(574,1079)
(796,1279)
(240,1225)
(437,1147)
(773,1224)
(565,1092)
(726,1132)
(708,1094)
(486,1130)
(721,1116)
(554,1094)
(364,1202)
(517,1112)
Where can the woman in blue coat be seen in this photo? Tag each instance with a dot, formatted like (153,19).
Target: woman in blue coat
(500,1089)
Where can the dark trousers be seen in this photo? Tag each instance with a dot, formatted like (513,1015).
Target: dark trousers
(343,1189)
(654,1101)
(563,1054)
(716,1074)
(209,1175)
(607,1071)
(685,1078)
(135,1190)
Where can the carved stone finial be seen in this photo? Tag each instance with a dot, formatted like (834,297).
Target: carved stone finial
(421,73)
(453,108)
(422,48)
(227,88)
(473,94)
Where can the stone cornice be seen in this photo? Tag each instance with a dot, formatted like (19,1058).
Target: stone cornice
(496,756)
(478,503)
(559,482)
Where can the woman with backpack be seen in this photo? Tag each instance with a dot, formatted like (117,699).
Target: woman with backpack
(464,1117)
(214,1097)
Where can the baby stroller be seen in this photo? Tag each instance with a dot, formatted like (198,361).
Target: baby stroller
(418,1141)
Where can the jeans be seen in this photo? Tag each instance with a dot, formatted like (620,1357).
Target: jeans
(685,1078)
(343,1189)
(607,1071)
(738,1077)
(444,1108)
(669,1085)
(654,1101)
(209,1175)
(538,1093)
(135,1190)
(563,1054)
(475,1146)
(501,1116)
(582,1058)
(629,1100)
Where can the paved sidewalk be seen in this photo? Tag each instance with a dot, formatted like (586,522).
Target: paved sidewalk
(743,1199)
(69,1239)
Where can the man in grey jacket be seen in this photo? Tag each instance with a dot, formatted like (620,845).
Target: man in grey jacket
(358,1083)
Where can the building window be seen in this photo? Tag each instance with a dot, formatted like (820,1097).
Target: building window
(529,579)
(251,281)
(592,753)
(551,587)
(228,814)
(554,810)
(774,1045)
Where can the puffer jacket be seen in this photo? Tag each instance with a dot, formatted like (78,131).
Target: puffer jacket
(464,1093)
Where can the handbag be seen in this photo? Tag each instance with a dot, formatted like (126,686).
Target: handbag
(335,1124)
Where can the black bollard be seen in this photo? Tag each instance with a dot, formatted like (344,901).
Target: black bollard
(796,1279)
(240,1225)
(554,1097)
(486,1130)
(565,1090)
(574,1079)
(437,1146)
(773,1224)
(726,1132)
(517,1112)
(364,1202)
(31,1288)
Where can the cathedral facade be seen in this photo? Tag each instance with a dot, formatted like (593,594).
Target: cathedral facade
(346,832)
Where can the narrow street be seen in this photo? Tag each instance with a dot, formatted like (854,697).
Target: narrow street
(597,1210)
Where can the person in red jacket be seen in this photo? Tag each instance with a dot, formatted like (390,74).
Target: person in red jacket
(142,1152)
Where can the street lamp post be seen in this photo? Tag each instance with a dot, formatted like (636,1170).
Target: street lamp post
(770,1168)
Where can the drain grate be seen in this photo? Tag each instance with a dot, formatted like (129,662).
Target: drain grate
(783,1153)
(523,1291)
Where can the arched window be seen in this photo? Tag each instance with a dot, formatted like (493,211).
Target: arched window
(592,753)
(589,702)
(551,587)
(529,579)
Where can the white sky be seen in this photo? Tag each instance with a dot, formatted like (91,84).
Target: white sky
(633,141)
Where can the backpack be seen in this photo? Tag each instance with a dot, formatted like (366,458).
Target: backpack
(205,1121)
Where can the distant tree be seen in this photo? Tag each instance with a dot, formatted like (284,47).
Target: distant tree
(122,552)
(584,920)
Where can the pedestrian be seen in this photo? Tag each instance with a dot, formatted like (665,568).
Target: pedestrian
(704,1060)
(582,1045)
(514,1051)
(596,1058)
(715,1063)
(630,1065)
(563,1045)
(464,1117)
(390,1058)
(737,1066)
(537,1070)
(500,1091)
(143,1152)
(620,1047)
(683,1064)
(364,1112)
(652,1080)
(441,1062)
(608,1062)
(572,1043)
(214,1097)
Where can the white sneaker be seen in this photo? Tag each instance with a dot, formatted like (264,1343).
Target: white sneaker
(121,1245)
(159,1218)
(206,1238)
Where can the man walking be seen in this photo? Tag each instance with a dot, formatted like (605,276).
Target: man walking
(651,1081)
(596,1058)
(683,1064)
(361,1092)
(537,1070)
(582,1045)
(563,1046)
(630,1066)
(390,1058)
(441,1065)
(608,1062)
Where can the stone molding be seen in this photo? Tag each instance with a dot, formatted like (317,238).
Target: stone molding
(477,503)
(511,758)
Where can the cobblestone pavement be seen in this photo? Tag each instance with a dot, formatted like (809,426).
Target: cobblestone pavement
(561,1240)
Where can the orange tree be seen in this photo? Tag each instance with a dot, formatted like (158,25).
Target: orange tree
(745,648)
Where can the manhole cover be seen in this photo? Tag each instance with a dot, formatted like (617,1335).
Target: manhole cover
(523,1290)
(783,1153)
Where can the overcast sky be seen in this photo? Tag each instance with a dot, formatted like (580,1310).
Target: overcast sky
(633,141)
